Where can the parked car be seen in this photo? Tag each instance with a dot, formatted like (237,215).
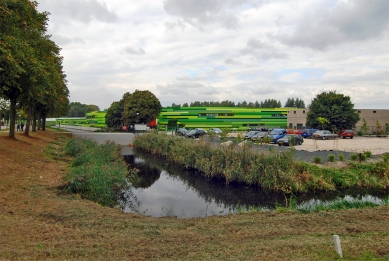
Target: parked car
(324,135)
(259,136)
(290,140)
(215,130)
(196,133)
(346,134)
(293,131)
(249,135)
(181,131)
(307,133)
(276,134)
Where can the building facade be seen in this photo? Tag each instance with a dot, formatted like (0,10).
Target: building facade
(297,118)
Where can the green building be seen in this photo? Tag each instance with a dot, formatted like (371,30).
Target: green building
(224,117)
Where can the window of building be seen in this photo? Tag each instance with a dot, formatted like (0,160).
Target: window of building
(304,112)
(374,111)
(359,111)
(294,112)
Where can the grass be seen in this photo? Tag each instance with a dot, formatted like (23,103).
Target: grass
(269,170)
(97,172)
(49,225)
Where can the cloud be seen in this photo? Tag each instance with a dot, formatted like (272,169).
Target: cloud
(63,40)
(356,20)
(186,88)
(130,50)
(262,50)
(80,10)
(201,13)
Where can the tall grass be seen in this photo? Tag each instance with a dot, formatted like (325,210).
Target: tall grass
(273,170)
(97,172)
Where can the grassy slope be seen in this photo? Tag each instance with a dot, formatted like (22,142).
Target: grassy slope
(38,221)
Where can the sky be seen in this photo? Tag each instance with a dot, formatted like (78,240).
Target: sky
(214,50)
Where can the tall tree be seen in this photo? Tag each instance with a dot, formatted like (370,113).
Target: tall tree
(141,107)
(114,115)
(336,108)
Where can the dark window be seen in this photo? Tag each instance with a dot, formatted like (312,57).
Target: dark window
(359,111)
(374,111)
(303,111)
(294,112)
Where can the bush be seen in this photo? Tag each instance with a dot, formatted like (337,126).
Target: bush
(341,157)
(367,153)
(317,159)
(97,172)
(331,157)
(354,156)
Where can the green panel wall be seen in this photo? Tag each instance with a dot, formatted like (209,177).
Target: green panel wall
(224,117)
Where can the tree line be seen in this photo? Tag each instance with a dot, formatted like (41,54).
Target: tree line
(31,73)
(268,103)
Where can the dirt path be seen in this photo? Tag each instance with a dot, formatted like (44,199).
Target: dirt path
(39,222)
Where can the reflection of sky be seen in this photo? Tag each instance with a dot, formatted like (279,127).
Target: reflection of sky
(168,196)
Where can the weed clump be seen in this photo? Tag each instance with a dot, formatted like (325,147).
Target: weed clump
(97,172)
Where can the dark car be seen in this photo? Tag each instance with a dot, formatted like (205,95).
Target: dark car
(307,133)
(196,133)
(346,134)
(249,134)
(290,140)
(259,136)
(181,131)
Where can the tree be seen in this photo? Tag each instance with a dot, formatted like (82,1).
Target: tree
(294,103)
(323,122)
(113,118)
(141,107)
(336,108)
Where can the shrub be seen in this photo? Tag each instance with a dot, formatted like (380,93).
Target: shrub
(97,172)
(341,157)
(354,156)
(317,159)
(367,153)
(331,157)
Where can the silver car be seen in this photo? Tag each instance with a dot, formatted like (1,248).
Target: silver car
(324,135)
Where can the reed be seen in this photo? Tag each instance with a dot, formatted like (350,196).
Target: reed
(97,172)
(273,170)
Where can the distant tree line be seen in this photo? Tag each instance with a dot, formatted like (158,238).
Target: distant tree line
(77,109)
(268,103)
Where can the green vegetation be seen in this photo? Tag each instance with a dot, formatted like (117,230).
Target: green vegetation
(31,69)
(97,172)
(354,156)
(317,159)
(339,204)
(341,156)
(270,170)
(331,157)
(336,108)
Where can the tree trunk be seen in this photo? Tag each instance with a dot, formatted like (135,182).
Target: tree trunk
(43,121)
(28,123)
(12,118)
(33,119)
(39,121)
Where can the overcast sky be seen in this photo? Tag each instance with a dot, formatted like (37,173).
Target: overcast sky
(215,50)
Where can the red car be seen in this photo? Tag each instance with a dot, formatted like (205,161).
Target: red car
(346,134)
(292,131)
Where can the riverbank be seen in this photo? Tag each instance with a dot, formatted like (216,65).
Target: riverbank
(39,221)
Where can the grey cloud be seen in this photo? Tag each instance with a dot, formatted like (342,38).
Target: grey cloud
(200,13)
(63,40)
(186,88)
(81,10)
(356,20)
(130,50)
(262,50)
(263,90)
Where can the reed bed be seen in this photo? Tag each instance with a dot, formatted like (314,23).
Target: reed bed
(273,170)
(97,172)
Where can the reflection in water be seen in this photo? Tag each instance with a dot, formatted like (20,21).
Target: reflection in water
(168,190)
